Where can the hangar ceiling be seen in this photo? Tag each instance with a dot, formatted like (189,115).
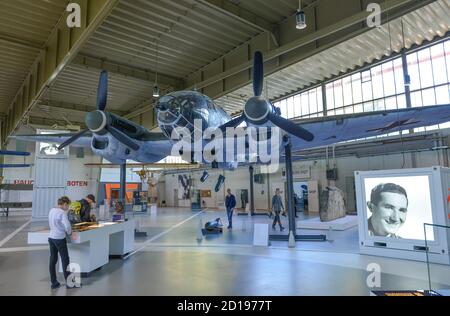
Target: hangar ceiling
(196,44)
(24,29)
(421,25)
(180,36)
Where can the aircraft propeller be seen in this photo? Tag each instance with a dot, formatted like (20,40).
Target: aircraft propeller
(98,121)
(258,110)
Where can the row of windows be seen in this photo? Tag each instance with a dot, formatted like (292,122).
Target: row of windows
(377,82)
(429,66)
(306,104)
(380,87)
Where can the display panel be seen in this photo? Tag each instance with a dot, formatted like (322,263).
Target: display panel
(397,207)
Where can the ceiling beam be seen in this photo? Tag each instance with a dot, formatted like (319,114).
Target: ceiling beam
(73,107)
(305,40)
(144,107)
(61,47)
(18,41)
(49,123)
(243,15)
(128,71)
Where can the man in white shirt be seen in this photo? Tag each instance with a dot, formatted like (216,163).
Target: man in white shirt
(59,227)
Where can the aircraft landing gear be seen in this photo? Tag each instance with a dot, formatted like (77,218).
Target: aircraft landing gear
(290,203)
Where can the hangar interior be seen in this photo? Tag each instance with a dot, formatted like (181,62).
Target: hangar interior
(335,67)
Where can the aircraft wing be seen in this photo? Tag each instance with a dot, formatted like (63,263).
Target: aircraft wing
(157,145)
(335,129)
(84,141)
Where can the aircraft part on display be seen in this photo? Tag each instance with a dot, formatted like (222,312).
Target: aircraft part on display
(220,182)
(335,129)
(213,227)
(181,108)
(99,122)
(332,205)
(205,176)
(184,187)
(142,174)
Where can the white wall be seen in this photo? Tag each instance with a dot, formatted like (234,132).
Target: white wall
(239,179)
(25,174)
(235,180)
(79,172)
(113,175)
(82,180)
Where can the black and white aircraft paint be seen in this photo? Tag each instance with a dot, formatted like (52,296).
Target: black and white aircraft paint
(117,139)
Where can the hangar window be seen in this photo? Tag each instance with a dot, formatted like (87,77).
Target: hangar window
(429,71)
(304,105)
(377,88)
(380,86)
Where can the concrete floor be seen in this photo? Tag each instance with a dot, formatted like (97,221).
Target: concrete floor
(170,261)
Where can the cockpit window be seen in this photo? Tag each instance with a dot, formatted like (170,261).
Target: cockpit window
(183,108)
(210,104)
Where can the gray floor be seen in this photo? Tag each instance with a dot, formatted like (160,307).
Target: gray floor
(170,261)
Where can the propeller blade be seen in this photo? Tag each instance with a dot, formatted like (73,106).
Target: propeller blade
(73,138)
(102,91)
(233,123)
(121,137)
(290,127)
(258,74)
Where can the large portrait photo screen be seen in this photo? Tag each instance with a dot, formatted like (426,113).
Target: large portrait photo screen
(397,207)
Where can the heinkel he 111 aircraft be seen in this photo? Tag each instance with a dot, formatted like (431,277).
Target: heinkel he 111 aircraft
(117,139)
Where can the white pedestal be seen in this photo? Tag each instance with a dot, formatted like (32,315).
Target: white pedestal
(261,235)
(121,238)
(91,249)
(342,223)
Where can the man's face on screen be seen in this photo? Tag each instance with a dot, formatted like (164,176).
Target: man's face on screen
(389,214)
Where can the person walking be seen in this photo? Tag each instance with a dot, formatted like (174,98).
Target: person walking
(277,206)
(296,201)
(230,204)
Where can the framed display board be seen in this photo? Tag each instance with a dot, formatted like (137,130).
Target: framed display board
(394,205)
(205,193)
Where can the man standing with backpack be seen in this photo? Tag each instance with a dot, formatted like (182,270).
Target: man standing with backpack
(86,205)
